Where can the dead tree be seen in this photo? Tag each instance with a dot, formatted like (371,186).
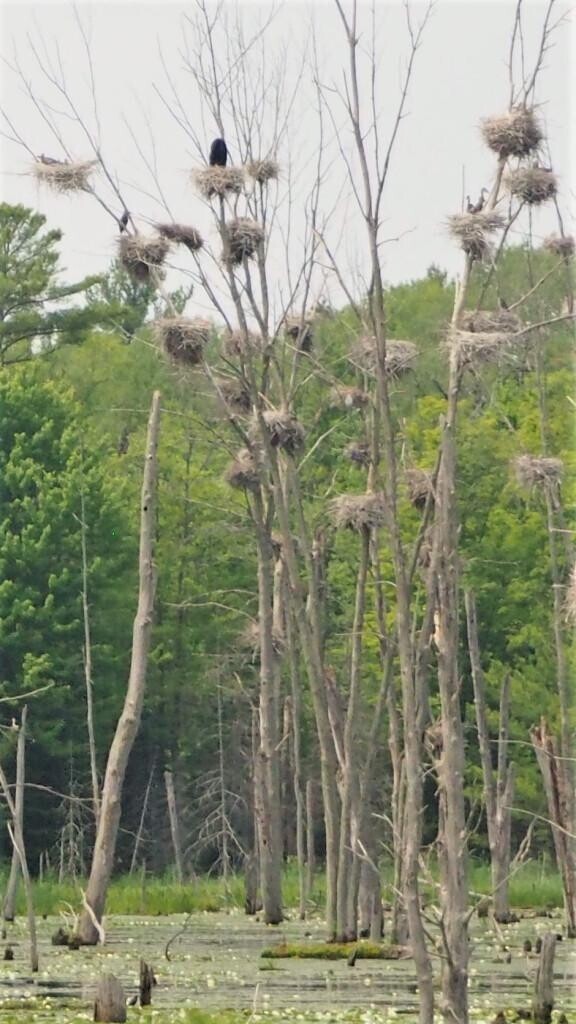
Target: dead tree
(129,721)
(543,1000)
(499,785)
(9,903)
(174,825)
(110,1002)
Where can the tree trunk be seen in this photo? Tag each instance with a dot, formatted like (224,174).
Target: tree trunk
(129,721)
(138,839)
(9,905)
(147,980)
(543,1001)
(110,1004)
(88,667)
(297,758)
(174,825)
(310,844)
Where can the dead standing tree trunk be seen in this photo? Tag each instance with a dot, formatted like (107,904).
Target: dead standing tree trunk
(174,825)
(129,721)
(499,788)
(9,904)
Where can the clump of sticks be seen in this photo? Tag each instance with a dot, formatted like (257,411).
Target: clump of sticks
(263,171)
(243,237)
(358,511)
(400,355)
(139,254)
(560,245)
(533,185)
(516,133)
(538,471)
(183,339)
(64,176)
(218,181)
(243,472)
(472,231)
(283,429)
(488,320)
(181,234)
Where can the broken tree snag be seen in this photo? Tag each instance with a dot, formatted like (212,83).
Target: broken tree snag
(147,980)
(543,1001)
(110,1003)
(250,884)
(174,825)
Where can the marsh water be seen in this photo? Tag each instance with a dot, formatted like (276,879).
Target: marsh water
(217,963)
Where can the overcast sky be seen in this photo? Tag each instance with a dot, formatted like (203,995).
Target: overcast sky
(460,76)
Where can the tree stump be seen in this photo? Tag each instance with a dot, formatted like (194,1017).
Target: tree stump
(147,980)
(543,1001)
(110,1004)
(251,884)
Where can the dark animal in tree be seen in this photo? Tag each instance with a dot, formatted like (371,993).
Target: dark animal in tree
(48,160)
(476,207)
(123,222)
(218,153)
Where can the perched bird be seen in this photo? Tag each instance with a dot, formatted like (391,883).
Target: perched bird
(48,159)
(502,303)
(122,223)
(218,153)
(476,207)
(353,957)
(132,1001)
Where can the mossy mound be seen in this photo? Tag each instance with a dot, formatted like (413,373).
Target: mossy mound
(333,951)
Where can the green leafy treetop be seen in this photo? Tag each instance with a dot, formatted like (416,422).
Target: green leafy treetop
(34,313)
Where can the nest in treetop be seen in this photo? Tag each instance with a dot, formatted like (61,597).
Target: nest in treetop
(481,346)
(183,339)
(219,181)
(243,236)
(65,175)
(358,511)
(250,639)
(533,185)
(243,471)
(489,320)
(419,483)
(284,430)
(235,394)
(516,133)
(400,355)
(571,596)
(301,329)
(538,471)
(239,344)
(560,245)
(358,452)
(181,234)
(138,253)
(263,170)
(471,231)
(349,398)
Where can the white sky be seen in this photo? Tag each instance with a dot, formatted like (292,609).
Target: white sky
(461,75)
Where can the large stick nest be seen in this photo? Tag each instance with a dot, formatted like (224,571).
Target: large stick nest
(419,484)
(400,355)
(349,398)
(243,472)
(471,230)
(301,329)
(533,185)
(283,429)
(516,133)
(481,346)
(183,339)
(538,471)
(358,452)
(181,234)
(263,170)
(560,245)
(240,344)
(139,253)
(250,639)
(65,176)
(242,241)
(218,181)
(235,394)
(488,320)
(358,511)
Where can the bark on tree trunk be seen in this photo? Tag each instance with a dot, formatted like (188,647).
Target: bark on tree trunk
(297,758)
(174,825)
(310,844)
(88,667)
(543,1001)
(129,721)
(9,905)
(110,1004)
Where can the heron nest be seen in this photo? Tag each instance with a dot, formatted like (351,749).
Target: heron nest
(139,253)
(471,230)
(301,330)
(181,234)
(489,320)
(419,484)
(538,471)
(183,339)
(400,355)
(283,429)
(243,236)
(219,181)
(243,471)
(250,639)
(571,596)
(239,344)
(235,394)
(65,176)
(560,245)
(349,398)
(516,133)
(263,170)
(358,452)
(358,511)
(533,185)
(480,346)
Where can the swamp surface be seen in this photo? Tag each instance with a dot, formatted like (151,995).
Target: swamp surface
(216,964)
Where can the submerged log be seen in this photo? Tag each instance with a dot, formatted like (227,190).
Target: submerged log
(110,1004)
